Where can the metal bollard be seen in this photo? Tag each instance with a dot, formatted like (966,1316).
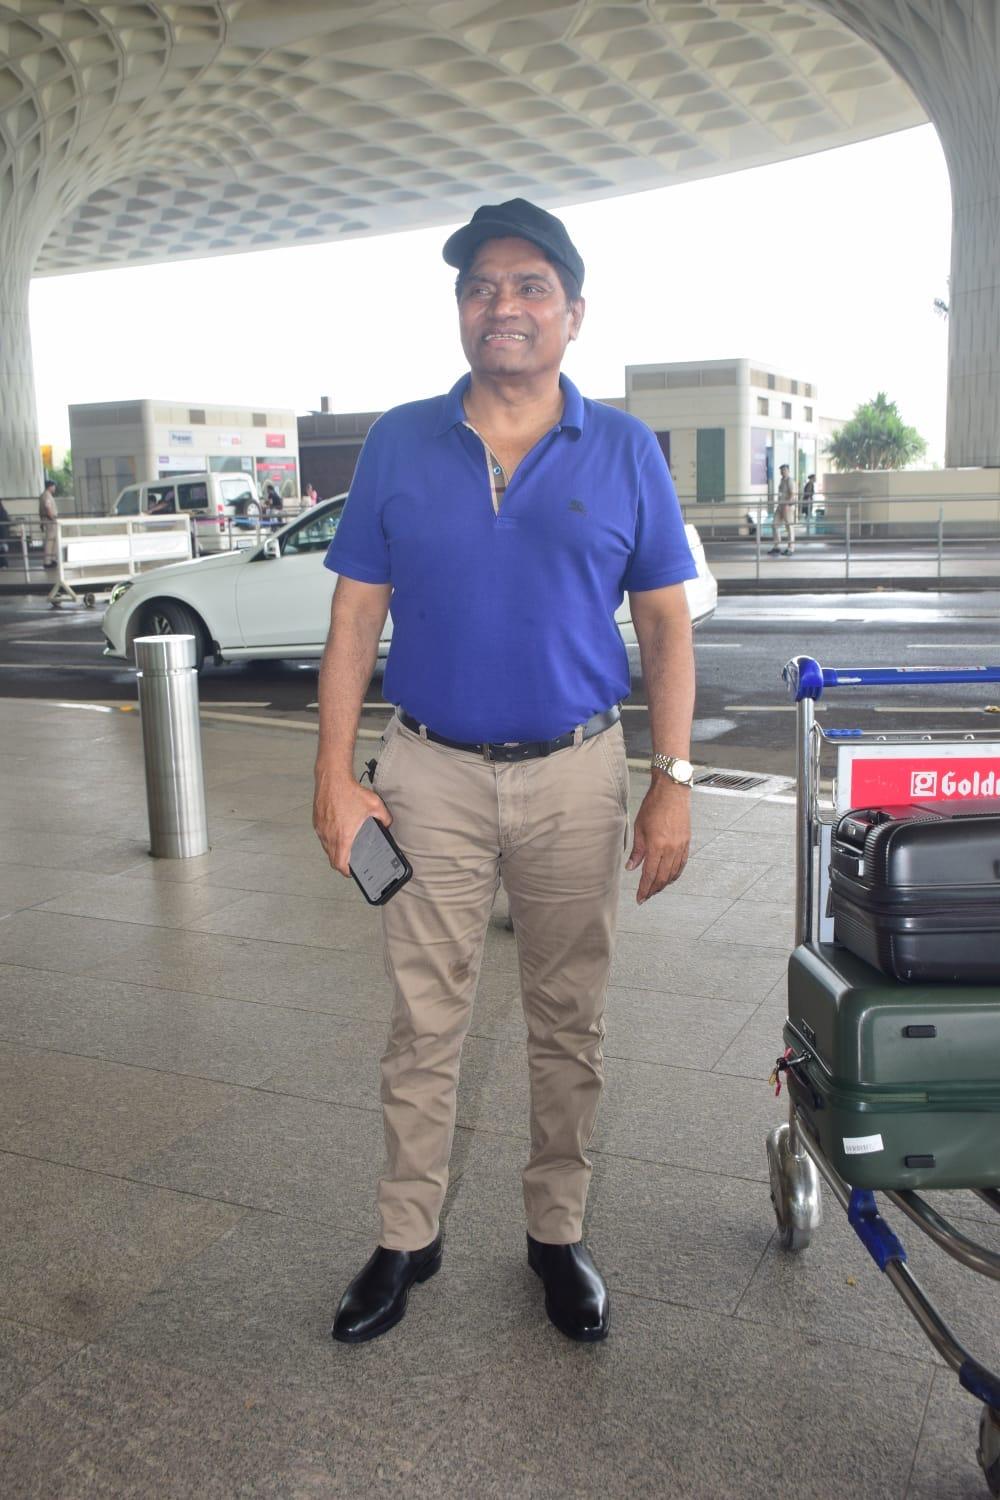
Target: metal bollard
(171,743)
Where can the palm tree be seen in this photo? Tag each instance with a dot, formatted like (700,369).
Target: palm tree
(876,437)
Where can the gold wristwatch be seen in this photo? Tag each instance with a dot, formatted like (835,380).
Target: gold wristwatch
(675,768)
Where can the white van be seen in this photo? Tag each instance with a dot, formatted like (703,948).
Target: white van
(225,509)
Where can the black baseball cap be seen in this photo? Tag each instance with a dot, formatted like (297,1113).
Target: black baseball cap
(516,219)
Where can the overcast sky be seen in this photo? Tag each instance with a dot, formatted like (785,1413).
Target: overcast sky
(825,267)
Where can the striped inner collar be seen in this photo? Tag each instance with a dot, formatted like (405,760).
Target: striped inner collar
(495,471)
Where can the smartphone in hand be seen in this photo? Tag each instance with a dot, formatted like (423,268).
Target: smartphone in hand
(377,863)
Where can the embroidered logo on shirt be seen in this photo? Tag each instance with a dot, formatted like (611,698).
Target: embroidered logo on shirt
(579,506)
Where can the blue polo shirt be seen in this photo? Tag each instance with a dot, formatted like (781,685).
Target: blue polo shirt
(503,622)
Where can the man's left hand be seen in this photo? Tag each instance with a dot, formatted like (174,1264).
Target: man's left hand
(661,837)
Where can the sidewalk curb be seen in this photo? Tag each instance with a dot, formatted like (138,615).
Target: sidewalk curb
(898,585)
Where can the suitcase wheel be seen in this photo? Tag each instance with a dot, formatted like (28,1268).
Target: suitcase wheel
(795,1190)
(989,1448)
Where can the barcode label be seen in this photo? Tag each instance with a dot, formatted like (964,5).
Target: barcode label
(862,1145)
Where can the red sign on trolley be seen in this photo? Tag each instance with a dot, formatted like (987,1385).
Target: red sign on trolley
(917,774)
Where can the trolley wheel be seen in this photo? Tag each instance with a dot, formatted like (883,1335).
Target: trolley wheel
(989,1448)
(795,1191)
(90,600)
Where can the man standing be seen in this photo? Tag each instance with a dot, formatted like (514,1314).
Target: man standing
(505,520)
(784,513)
(48,515)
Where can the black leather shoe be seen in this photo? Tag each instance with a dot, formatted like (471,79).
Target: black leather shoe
(376,1298)
(576,1298)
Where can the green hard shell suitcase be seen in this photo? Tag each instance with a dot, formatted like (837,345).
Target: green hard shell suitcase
(899,1083)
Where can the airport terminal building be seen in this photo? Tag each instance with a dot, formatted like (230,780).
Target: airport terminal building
(725,427)
(114,444)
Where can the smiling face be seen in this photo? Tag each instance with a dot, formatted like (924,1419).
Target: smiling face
(514,316)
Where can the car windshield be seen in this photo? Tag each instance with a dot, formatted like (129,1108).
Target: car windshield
(315,533)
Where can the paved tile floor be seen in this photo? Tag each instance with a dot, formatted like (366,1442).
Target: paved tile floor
(189,1136)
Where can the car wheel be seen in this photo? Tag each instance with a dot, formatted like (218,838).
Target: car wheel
(168,617)
(251,509)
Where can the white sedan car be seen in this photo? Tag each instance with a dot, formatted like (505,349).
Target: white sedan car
(274,600)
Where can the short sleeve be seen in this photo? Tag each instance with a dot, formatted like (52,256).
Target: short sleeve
(661,555)
(359,549)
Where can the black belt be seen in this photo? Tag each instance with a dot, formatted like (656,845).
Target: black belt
(516,750)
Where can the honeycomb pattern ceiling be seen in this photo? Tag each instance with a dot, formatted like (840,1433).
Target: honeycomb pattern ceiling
(137,132)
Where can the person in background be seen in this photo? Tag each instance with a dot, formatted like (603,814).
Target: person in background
(784,514)
(49,515)
(164,505)
(272,498)
(808,495)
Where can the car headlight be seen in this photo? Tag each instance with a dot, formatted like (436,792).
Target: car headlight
(118,590)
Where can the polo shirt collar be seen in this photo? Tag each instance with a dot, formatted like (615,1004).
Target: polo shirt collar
(453,407)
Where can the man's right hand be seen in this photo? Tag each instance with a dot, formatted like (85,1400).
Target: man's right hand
(340,806)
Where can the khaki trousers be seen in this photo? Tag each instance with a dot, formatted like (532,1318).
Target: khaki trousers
(50,550)
(552,830)
(784,521)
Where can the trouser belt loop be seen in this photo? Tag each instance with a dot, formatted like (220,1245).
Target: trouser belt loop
(422,731)
(578,735)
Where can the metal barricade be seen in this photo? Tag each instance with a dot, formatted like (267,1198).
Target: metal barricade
(96,552)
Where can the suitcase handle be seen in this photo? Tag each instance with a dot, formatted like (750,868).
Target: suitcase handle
(807,679)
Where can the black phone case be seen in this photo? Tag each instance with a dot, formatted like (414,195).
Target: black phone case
(397,885)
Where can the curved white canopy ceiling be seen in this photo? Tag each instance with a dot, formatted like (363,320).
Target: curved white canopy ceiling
(143,131)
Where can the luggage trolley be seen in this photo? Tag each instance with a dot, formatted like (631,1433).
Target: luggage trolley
(797,1161)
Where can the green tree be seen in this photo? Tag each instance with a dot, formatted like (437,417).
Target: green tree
(63,476)
(876,437)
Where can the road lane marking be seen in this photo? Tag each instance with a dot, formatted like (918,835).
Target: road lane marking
(864,708)
(719,645)
(769,708)
(277,722)
(983,708)
(112,705)
(94,708)
(944,646)
(271,723)
(86,645)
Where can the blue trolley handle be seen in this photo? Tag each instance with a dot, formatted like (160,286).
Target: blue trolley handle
(807,679)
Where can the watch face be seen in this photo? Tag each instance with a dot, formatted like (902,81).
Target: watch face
(682,770)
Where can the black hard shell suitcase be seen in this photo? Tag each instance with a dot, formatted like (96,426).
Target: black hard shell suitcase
(915,891)
(900,1084)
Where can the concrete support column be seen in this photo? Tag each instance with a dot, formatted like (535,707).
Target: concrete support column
(20,460)
(948,51)
(973,432)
